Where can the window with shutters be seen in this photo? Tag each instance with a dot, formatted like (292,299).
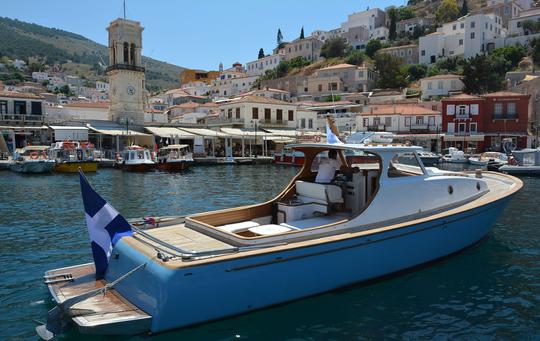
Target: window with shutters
(291,115)
(279,115)
(255,113)
(267,114)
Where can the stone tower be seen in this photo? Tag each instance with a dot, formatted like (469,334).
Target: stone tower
(125,72)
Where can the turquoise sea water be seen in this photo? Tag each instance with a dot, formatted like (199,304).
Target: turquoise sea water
(489,291)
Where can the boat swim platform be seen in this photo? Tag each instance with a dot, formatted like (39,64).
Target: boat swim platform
(108,313)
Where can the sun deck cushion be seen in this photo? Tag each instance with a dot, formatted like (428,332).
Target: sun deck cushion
(270,229)
(319,193)
(238,227)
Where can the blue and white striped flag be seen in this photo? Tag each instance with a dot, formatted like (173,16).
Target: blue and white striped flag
(105,225)
(331,138)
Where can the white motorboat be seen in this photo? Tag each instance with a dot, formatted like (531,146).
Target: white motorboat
(136,159)
(523,162)
(32,159)
(381,214)
(454,156)
(429,158)
(488,157)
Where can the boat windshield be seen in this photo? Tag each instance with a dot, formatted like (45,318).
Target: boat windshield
(404,164)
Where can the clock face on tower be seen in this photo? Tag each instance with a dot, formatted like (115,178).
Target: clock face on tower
(131,90)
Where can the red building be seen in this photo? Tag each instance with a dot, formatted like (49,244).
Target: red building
(482,122)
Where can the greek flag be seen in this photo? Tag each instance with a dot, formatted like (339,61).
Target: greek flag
(105,225)
(331,138)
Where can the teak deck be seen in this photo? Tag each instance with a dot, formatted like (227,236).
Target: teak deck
(110,311)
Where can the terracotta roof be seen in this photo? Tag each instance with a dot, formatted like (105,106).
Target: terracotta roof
(460,97)
(13,94)
(307,104)
(187,105)
(504,94)
(399,109)
(209,104)
(259,99)
(87,105)
(338,66)
(448,76)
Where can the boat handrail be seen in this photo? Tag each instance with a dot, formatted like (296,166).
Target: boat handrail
(190,254)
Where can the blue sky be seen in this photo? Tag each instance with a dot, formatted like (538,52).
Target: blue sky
(195,34)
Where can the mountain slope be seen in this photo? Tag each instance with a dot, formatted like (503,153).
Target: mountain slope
(19,39)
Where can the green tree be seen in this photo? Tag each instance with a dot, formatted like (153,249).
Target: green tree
(65,90)
(45,82)
(535,50)
(261,53)
(355,58)
(279,38)
(513,54)
(390,75)
(302,33)
(282,69)
(372,47)
(335,47)
(392,14)
(447,11)
(405,13)
(464,8)
(298,62)
(482,74)
(530,26)
(415,71)
(450,64)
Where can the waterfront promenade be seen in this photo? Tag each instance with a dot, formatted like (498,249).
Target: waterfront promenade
(490,290)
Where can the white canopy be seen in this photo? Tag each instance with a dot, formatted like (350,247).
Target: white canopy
(235,132)
(116,132)
(75,133)
(170,132)
(207,133)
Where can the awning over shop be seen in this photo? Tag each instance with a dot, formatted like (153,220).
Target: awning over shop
(466,138)
(419,136)
(23,128)
(235,132)
(170,132)
(76,133)
(293,133)
(206,133)
(117,131)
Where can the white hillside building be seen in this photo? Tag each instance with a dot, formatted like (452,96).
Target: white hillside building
(467,37)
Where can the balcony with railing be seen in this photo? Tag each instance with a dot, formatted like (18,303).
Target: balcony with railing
(13,119)
(505,116)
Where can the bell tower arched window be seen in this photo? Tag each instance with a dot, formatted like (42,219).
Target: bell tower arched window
(126,53)
(132,54)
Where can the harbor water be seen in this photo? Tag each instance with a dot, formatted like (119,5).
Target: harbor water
(488,291)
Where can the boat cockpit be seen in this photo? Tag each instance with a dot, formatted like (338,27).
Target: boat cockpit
(309,207)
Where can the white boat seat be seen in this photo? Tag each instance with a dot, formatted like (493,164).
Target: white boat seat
(238,227)
(319,193)
(270,229)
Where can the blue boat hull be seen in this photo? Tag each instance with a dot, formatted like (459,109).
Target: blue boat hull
(185,296)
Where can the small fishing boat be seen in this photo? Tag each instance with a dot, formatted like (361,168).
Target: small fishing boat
(523,162)
(72,155)
(136,159)
(32,159)
(374,218)
(488,157)
(174,158)
(454,156)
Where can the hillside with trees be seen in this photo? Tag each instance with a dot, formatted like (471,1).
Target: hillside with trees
(51,46)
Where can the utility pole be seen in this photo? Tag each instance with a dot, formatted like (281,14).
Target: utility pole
(124,9)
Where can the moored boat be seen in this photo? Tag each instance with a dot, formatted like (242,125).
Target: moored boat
(289,157)
(174,158)
(136,159)
(429,158)
(158,274)
(454,156)
(523,162)
(72,155)
(32,159)
(488,157)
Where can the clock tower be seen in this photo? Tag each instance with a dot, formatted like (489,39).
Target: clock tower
(125,71)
